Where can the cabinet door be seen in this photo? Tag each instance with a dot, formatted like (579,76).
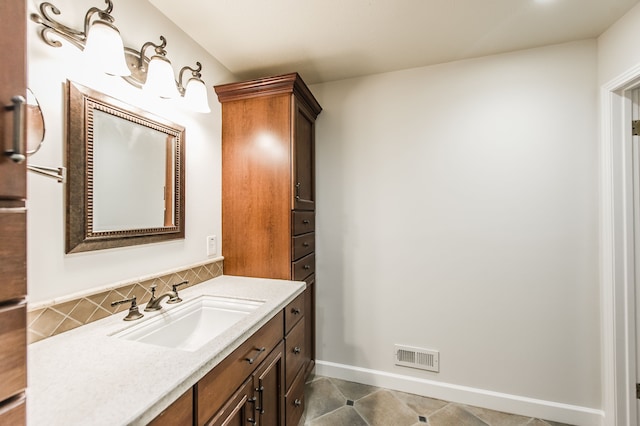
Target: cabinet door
(269,386)
(238,410)
(13,82)
(303,145)
(13,342)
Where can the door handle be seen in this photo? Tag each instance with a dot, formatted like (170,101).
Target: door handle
(18,107)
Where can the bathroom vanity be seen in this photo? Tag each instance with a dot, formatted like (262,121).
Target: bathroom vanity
(98,374)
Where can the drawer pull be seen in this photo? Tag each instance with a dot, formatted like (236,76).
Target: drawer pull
(252,360)
(295,311)
(307,267)
(306,221)
(297,403)
(305,244)
(297,350)
(250,420)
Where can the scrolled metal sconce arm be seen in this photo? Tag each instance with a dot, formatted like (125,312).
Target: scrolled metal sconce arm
(159,49)
(195,72)
(75,37)
(136,63)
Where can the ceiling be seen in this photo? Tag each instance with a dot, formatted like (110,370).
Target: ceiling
(326,40)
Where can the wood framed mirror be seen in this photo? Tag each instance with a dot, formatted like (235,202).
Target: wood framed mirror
(125,174)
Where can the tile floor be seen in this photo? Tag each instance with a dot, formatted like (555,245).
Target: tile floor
(334,402)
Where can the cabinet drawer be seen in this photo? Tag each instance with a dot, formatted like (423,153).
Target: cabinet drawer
(302,245)
(178,413)
(294,401)
(13,350)
(302,222)
(13,252)
(220,383)
(14,412)
(293,312)
(295,353)
(301,269)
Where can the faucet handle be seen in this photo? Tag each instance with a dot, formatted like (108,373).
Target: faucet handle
(134,313)
(174,287)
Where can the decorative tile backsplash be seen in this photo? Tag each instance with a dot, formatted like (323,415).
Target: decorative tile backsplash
(57,318)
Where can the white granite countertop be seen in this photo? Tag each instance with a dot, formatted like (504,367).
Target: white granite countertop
(87,377)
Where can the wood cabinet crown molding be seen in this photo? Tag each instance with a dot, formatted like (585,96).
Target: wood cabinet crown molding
(269,86)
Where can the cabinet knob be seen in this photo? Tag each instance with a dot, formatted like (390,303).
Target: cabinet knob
(305,221)
(297,350)
(305,244)
(297,403)
(295,311)
(307,267)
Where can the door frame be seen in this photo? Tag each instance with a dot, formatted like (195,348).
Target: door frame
(617,260)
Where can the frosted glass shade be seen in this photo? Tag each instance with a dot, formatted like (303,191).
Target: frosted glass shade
(195,96)
(104,49)
(160,79)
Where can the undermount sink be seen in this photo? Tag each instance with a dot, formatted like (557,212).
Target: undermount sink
(191,324)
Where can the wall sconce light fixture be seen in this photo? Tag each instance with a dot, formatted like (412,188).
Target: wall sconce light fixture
(195,91)
(103,47)
(159,80)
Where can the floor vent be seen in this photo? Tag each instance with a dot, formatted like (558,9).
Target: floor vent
(423,359)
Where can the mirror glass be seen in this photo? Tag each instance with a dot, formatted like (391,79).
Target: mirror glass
(35,124)
(125,174)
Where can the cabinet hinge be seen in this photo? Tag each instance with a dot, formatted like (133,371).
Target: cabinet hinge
(635,127)
(637,390)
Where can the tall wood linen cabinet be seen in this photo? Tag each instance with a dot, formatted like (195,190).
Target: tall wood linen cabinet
(268,192)
(13,218)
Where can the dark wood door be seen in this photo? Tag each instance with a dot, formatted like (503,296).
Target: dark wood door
(238,411)
(269,386)
(13,378)
(304,161)
(13,82)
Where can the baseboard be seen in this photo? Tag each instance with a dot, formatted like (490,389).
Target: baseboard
(515,404)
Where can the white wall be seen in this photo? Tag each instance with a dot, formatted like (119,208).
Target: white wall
(618,47)
(618,70)
(51,273)
(457,211)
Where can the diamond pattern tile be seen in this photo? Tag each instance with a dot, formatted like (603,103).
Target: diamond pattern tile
(61,317)
(372,406)
(382,408)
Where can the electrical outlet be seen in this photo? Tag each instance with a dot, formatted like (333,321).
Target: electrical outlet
(212,245)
